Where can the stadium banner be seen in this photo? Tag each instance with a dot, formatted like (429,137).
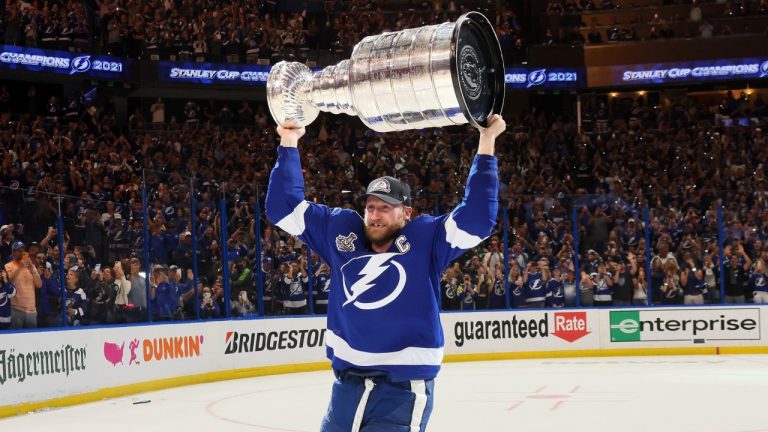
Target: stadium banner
(235,74)
(679,72)
(24,59)
(544,78)
(212,73)
(680,327)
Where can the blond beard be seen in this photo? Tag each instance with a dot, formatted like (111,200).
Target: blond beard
(381,239)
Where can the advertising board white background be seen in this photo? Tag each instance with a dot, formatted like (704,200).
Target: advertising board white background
(108,357)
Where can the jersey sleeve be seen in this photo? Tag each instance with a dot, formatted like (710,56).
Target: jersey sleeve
(473,219)
(287,208)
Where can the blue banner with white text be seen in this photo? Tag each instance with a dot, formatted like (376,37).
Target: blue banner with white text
(544,78)
(692,71)
(66,63)
(212,73)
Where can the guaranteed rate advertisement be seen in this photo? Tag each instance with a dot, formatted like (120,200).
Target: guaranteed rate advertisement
(66,63)
(212,73)
(681,72)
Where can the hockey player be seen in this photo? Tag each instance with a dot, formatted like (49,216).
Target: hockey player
(384,335)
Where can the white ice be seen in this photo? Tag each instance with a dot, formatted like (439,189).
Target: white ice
(610,394)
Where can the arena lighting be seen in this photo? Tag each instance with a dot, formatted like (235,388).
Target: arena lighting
(613,94)
(641,93)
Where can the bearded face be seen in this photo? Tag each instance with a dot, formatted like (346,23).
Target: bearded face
(384,221)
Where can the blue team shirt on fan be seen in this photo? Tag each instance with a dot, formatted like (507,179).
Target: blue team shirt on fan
(555,293)
(759,282)
(534,288)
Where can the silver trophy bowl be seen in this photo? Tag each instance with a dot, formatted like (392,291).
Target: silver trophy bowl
(431,76)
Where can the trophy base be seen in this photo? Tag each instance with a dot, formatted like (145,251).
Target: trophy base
(288,95)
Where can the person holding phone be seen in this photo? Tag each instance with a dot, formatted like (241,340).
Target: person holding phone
(25,277)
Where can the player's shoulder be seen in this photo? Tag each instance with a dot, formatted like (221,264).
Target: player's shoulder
(425,220)
(344,219)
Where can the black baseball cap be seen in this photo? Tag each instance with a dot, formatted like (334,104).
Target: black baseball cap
(390,190)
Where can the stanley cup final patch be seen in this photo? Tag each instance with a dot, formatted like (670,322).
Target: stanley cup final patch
(382,185)
(346,243)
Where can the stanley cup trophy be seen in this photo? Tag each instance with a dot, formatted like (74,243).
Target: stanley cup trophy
(432,76)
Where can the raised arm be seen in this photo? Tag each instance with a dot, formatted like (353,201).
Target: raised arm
(285,203)
(474,218)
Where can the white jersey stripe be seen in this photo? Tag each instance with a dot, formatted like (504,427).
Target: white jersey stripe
(457,237)
(411,356)
(293,224)
(419,389)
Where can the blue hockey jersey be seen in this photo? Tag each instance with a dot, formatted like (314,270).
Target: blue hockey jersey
(383,307)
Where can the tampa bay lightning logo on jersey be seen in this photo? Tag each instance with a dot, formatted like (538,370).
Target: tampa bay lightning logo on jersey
(760,282)
(80,64)
(499,289)
(450,289)
(537,77)
(764,69)
(346,243)
(536,285)
(373,281)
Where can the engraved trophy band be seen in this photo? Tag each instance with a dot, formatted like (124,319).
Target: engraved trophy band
(431,76)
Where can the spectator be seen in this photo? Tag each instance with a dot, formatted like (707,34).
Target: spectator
(555,294)
(535,280)
(22,273)
(163,294)
(497,298)
(623,278)
(759,282)
(692,280)
(467,293)
(671,291)
(208,307)
(602,285)
(484,287)
(706,30)
(75,300)
(102,298)
(137,294)
(322,281)
(736,266)
(640,284)
(295,286)
(695,13)
(158,114)
(7,292)
(49,294)
(449,289)
(711,274)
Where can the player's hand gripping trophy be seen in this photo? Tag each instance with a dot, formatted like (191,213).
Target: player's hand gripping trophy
(432,76)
